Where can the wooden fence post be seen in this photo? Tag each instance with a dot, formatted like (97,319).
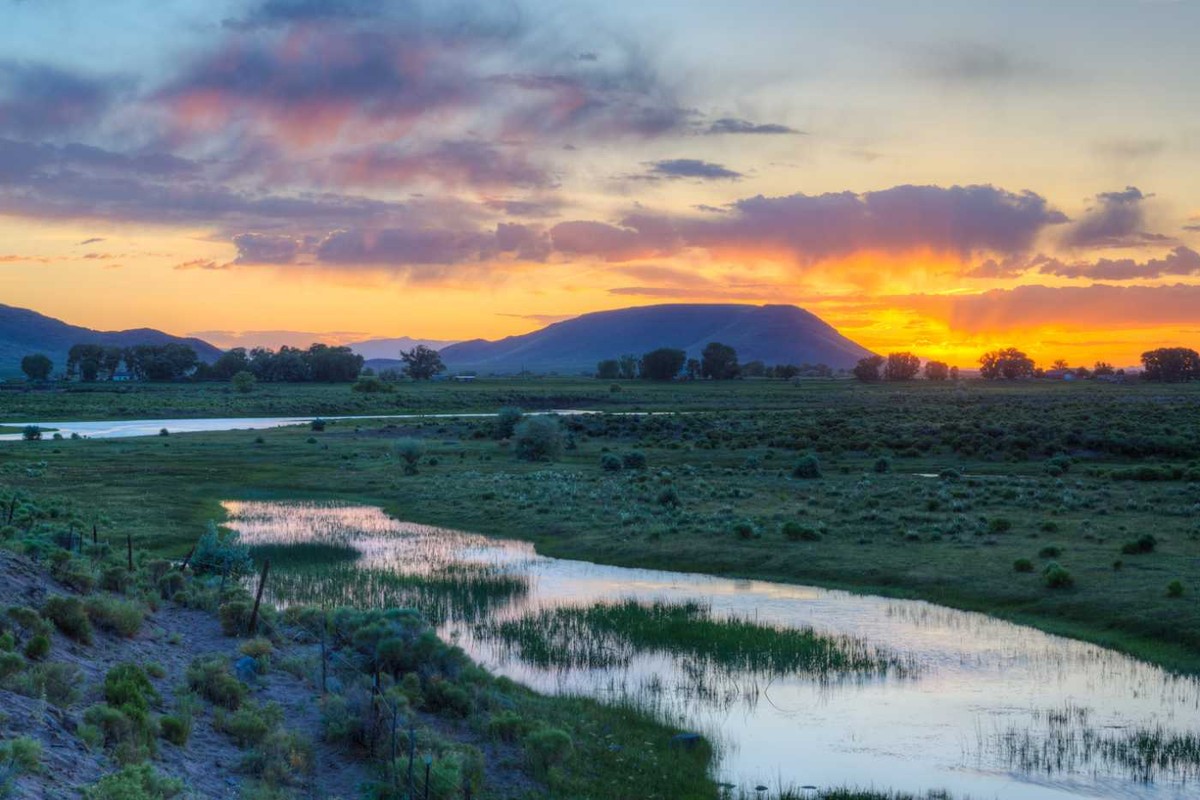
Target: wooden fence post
(129,550)
(262,582)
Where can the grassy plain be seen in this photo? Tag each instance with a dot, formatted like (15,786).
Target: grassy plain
(931,491)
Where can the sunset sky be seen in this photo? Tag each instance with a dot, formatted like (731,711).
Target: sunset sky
(943,177)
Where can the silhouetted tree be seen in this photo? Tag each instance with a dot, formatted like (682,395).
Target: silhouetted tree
(662,364)
(901,367)
(1060,364)
(165,362)
(37,366)
(422,363)
(719,362)
(1171,364)
(867,369)
(1009,363)
(1103,368)
(230,363)
(608,370)
(786,371)
(629,366)
(936,371)
(87,359)
(334,364)
(244,381)
(691,370)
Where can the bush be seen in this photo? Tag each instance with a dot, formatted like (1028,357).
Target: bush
(448,698)
(634,460)
(808,468)
(58,682)
(134,783)
(883,465)
(507,726)
(23,753)
(610,463)
(370,384)
(999,525)
(121,617)
(1057,577)
(38,647)
(1143,544)
(221,555)
(114,579)
(31,433)
(539,438)
(1023,565)
(409,451)
(282,758)
(250,724)
(235,617)
(128,685)
(1175,589)
(211,679)
(176,729)
(795,532)
(1050,551)
(668,498)
(243,381)
(317,425)
(507,420)
(69,616)
(10,664)
(547,748)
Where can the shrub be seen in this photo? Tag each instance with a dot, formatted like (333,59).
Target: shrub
(221,555)
(139,782)
(370,384)
(243,381)
(251,723)
(409,451)
(547,748)
(1023,565)
(808,468)
(58,682)
(999,525)
(211,679)
(795,532)
(507,726)
(128,685)
(1057,577)
(10,664)
(507,420)
(121,617)
(1050,551)
(170,585)
(23,753)
(448,698)
(883,465)
(610,463)
(176,729)
(634,459)
(114,579)
(31,433)
(69,616)
(1143,544)
(744,530)
(282,758)
(235,617)
(668,498)
(539,438)
(38,647)
(1175,589)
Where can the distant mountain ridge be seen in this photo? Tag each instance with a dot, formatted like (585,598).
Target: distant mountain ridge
(774,334)
(372,349)
(23,332)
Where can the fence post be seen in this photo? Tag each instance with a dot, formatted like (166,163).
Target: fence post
(94,539)
(129,550)
(262,582)
(324,654)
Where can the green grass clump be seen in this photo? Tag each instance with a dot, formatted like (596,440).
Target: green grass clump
(69,616)
(211,679)
(122,617)
(138,782)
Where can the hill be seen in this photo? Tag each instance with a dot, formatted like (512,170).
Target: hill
(373,349)
(774,334)
(23,332)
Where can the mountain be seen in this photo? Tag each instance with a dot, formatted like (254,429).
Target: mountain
(774,334)
(390,348)
(23,332)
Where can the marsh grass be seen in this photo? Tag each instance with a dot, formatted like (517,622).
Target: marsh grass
(611,634)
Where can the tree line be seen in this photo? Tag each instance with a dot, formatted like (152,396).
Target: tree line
(717,362)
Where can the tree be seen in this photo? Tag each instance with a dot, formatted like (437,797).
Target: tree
(87,359)
(165,362)
(244,381)
(1103,368)
(230,363)
(662,364)
(110,360)
(1009,363)
(629,366)
(901,367)
(719,362)
(1060,364)
(37,367)
(786,371)
(691,370)
(334,364)
(422,363)
(936,371)
(954,373)
(539,438)
(1171,364)
(867,369)
(608,370)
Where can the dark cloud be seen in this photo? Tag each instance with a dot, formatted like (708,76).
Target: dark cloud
(454,163)
(284,12)
(542,207)
(692,168)
(416,246)
(266,248)
(1116,220)
(735,125)
(202,264)
(957,219)
(1180,261)
(39,100)
(92,240)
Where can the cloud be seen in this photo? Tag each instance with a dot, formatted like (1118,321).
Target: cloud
(406,247)
(451,163)
(1180,261)
(39,100)
(13,258)
(1097,306)
(541,319)
(726,125)
(202,264)
(93,240)
(1130,149)
(961,220)
(276,338)
(1116,220)
(973,63)
(541,207)
(692,168)
(265,248)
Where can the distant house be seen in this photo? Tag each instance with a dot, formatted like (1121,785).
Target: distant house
(1060,375)
(121,376)
(464,378)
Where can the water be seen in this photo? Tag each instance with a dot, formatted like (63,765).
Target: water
(113,429)
(990,709)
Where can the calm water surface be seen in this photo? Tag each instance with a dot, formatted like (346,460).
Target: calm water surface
(991,709)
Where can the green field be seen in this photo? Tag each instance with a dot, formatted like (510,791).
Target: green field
(1045,473)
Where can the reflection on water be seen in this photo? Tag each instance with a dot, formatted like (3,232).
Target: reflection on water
(989,709)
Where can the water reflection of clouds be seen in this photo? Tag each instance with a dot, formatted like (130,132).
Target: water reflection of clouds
(979,678)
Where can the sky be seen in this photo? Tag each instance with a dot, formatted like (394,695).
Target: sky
(940,177)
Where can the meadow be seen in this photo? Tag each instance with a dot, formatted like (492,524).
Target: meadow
(1070,507)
